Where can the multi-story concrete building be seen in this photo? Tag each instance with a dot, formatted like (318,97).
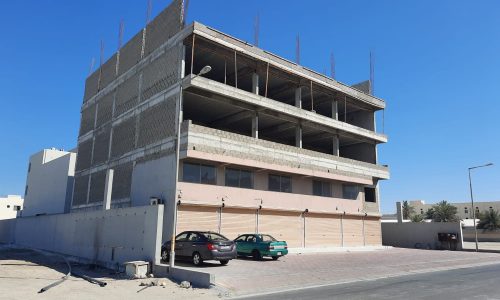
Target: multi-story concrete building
(49,183)
(464,209)
(10,205)
(265,144)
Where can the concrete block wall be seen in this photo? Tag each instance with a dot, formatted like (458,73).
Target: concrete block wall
(419,235)
(108,238)
(7,230)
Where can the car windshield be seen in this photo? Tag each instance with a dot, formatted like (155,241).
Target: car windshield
(214,236)
(267,238)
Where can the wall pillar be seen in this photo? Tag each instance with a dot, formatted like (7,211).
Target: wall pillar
(255,83)
(298,97)
(255,126)
(108,188)
(298,136)
(399,212)
(336,145)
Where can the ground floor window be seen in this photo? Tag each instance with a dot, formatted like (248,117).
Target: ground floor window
(350,192)
(239,178)
(322,188)
(279,183)
(370,195)
(198,173)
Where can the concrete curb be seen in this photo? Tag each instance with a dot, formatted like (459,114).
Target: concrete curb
(337,249)
(197,278)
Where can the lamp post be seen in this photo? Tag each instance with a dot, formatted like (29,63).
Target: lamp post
(472,202)
(203,71)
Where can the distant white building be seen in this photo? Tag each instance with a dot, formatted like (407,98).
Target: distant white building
(464,209)
(49,184)
(9,206)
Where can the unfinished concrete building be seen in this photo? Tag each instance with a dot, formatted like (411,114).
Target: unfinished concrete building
(266,145)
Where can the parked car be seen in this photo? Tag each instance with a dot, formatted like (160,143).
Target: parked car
(199,246)
(259,245)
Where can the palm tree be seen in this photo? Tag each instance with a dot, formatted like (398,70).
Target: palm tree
(444,212)
(489,220)
(407,210)
(417,218)
(429,214)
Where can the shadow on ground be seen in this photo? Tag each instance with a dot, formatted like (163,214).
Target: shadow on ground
(31,258)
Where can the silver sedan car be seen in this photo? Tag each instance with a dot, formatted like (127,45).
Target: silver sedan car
(198,246)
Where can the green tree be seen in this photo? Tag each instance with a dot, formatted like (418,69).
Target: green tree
(417,218)
(489,220)
(407,210)
(429,214)
(444,212)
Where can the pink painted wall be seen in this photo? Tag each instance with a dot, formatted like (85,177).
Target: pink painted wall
(203,194)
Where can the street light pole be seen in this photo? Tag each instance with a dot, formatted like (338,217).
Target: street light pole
(179,113)
(472,202)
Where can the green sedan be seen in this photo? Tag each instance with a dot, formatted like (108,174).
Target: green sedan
(259,245)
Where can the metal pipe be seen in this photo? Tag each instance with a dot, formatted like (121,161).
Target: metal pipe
(90,279)
(267,79)
(235,71)
(192,55)
(312,97)
(44,289)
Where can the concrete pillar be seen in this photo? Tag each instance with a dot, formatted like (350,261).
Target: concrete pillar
(399,212)
(255,126)
(336,145)
(335,110)
(298,97)
(108,188)
(298,136)
(255,83)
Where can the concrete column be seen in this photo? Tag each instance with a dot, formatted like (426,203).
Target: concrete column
(255,83)
(399,212)
(255,126)
(335,110)
(336,145)
(298,136)
(108,188)
(298,97)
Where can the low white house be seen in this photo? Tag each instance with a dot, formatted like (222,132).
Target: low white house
(9,206)
(49,183)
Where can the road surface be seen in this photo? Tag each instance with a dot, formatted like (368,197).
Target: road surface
(466,283)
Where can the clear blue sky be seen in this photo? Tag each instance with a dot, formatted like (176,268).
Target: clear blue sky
(437,66)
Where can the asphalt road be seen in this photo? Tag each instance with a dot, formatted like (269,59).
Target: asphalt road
(467,283)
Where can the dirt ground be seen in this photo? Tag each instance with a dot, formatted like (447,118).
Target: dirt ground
(24,272)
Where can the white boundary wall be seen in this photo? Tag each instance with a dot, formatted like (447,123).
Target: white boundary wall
(107,238)
(419,235)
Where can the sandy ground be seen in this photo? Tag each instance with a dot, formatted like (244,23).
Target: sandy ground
(23,273)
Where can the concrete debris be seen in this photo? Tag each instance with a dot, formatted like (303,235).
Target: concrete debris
(185,284)
(162,282)
(151,275)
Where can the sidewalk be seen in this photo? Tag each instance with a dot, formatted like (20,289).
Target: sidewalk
(493,247)
(294,271)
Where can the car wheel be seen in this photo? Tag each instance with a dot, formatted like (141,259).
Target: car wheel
(165,256)
(224,262)
(256,255)
(275,257)
(196,259)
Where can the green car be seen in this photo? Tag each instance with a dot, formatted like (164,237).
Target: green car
(259,245)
